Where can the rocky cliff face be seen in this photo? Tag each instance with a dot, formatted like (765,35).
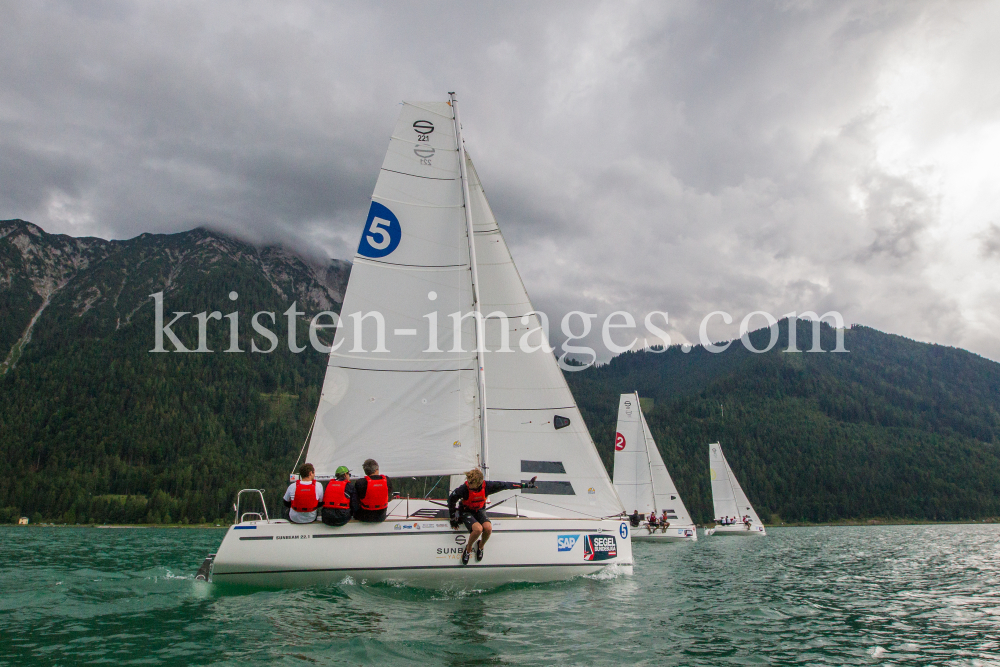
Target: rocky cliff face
(98,286)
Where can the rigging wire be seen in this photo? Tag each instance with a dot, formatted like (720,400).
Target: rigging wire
(302,451)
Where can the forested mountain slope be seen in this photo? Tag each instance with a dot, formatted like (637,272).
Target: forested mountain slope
(95,427)
(892,428)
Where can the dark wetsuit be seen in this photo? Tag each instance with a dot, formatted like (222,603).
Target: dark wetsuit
(470,517)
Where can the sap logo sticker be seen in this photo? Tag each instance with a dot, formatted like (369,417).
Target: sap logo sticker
(566,542)
(382,232)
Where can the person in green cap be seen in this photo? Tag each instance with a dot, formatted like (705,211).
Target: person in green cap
(340,500)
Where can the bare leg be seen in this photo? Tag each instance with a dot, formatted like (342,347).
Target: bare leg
(477,530)
(487,531)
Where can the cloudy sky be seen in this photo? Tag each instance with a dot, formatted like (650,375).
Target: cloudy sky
(684,157)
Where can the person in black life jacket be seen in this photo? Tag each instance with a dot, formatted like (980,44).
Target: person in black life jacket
(373,491)
(634,519)
(340,500)
(304,496)
(467,504)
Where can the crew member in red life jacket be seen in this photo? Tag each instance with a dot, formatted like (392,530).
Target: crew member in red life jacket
(340,500)
(304,496)
(664,522)
(467,504)
(374,491)
(652,522)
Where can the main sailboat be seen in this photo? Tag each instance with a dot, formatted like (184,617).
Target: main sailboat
(440,365)
(642,480)
(729,499)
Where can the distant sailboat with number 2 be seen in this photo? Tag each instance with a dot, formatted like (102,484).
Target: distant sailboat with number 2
(642,480)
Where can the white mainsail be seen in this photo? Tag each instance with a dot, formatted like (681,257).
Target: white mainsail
(399,400)
(640,476)
(727,494)
(633,477)
(414,404)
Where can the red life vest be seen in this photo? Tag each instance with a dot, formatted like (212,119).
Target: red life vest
(334,496)
(377,494)
(305,497)
(476,499)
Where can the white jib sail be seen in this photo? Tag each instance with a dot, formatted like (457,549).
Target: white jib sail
(665,492)
(401,387)
(535,427)
(727,494)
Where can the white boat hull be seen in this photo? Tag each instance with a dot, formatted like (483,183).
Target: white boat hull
(672,534)
(737,531)
(420,552)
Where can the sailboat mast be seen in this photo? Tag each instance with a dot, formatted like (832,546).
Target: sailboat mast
(480,334)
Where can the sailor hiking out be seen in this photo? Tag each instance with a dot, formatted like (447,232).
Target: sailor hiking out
(304,496)
(467,504)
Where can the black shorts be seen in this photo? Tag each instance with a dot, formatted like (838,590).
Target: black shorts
(469,517)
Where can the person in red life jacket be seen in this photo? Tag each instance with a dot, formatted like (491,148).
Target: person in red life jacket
(373,491)
(664,523)
(651,522)
(340,500)
(467,504)
(304,496)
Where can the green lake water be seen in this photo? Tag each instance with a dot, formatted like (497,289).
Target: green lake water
(800,596)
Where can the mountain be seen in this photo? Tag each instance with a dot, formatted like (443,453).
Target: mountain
(892,428)
(95,427)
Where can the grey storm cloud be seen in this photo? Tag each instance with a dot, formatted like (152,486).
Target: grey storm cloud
(680,157)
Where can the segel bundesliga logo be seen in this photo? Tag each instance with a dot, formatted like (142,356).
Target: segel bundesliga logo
(566,542)
(599,547)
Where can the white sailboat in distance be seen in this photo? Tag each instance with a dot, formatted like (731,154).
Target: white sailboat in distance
(729,500)
(426,377)
(642,480)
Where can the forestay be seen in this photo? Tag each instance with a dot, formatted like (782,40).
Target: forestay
(389,394)
(535,427)
(727,494)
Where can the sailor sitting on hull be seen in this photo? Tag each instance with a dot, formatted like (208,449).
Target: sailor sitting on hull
(373,491)
(664,523)
(340,500)
(304,496)
(651,522)
(467,504)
